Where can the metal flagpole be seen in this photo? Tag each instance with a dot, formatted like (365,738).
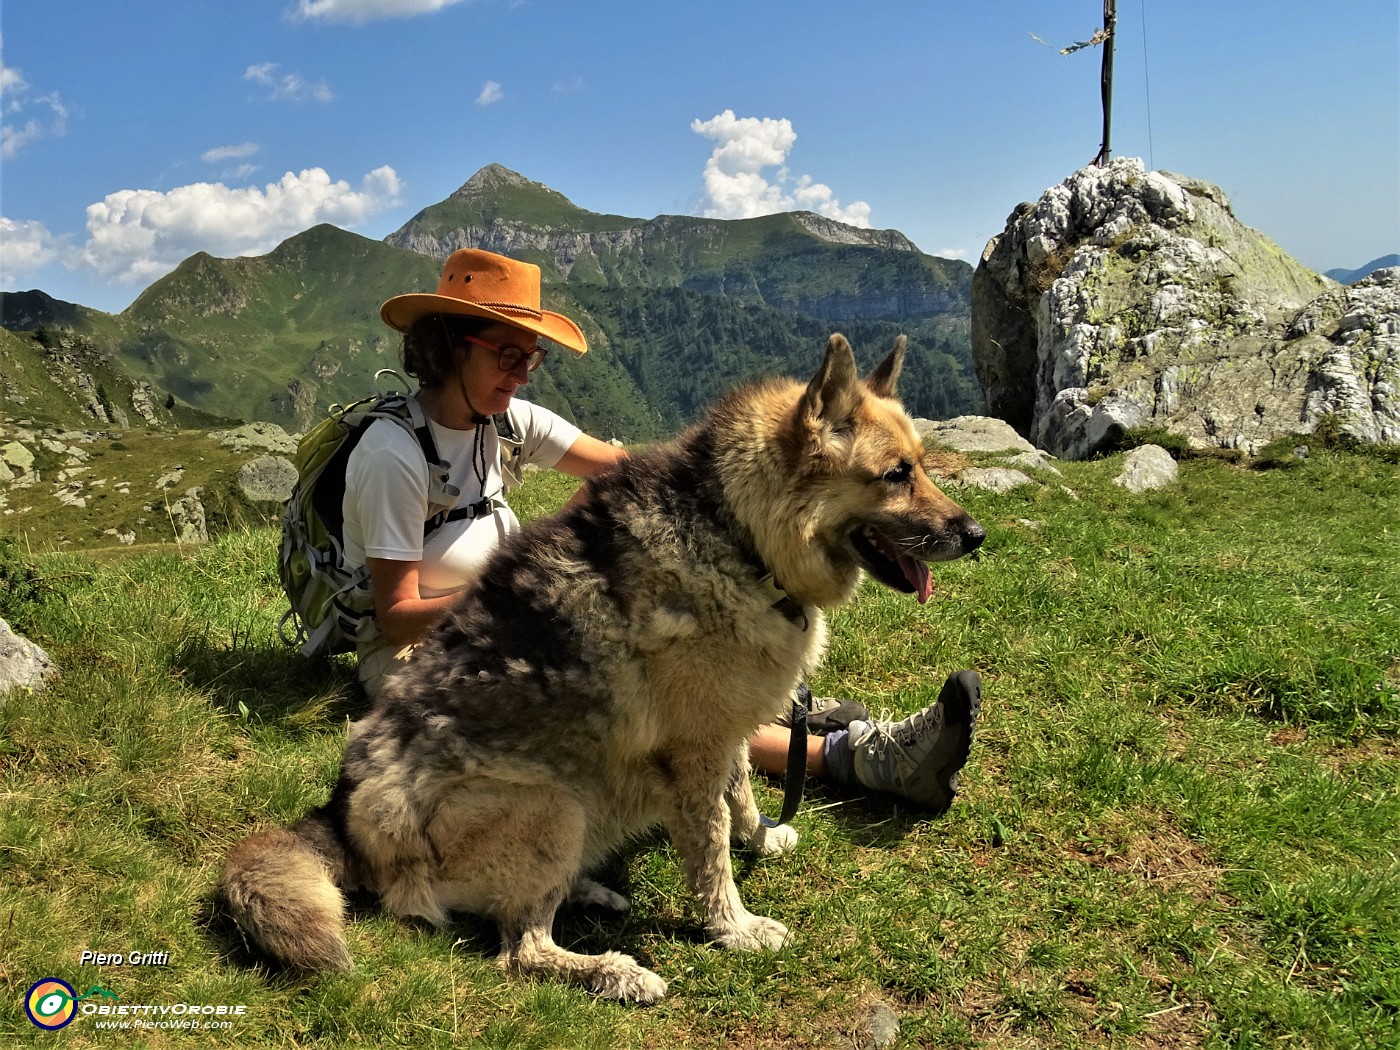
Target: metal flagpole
(1110,18)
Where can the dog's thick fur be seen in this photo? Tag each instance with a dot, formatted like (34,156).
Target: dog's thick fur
(604,676)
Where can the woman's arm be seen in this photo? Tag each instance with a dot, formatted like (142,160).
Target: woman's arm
(404,616)
(587,456)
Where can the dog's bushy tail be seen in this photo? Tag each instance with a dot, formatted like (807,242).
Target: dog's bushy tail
(283,890)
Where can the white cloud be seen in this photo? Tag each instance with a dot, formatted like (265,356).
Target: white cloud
(490,92)
(238,152)
(12,81)
(952,253)
(25,247)
(736,186)
(238,172)
(28,116)
(288,87)
(139,235)
(361,11)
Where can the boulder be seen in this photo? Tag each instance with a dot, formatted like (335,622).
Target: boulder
(267,479)
(1126,298)
(973,434)
(1147,467)
(23,665)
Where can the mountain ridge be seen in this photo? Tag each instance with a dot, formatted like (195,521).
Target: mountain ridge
(280,336)
(815,265)
(1361,273)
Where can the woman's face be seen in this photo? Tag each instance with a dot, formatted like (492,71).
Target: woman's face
(488,387)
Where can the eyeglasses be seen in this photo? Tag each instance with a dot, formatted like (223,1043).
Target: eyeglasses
(511,356)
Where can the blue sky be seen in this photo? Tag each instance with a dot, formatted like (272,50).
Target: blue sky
(136,132)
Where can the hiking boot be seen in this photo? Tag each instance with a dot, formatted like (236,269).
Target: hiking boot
(830,713)
(919,758)
(825,714)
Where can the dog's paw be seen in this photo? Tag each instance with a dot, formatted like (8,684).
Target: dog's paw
(588,892)
(752,933)
(772,841)
(622,977)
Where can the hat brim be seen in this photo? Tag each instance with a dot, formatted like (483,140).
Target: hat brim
(402,311)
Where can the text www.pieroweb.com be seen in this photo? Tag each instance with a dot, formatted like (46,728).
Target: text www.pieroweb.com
(205,1018)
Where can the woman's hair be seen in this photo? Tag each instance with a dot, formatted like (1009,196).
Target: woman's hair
(430,345)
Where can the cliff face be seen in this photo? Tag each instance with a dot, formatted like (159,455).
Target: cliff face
(1124,298)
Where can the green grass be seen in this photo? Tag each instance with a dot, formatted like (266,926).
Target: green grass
(1177,829)
(117,481)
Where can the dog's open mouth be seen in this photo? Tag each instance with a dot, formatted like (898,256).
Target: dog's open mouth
(891,566)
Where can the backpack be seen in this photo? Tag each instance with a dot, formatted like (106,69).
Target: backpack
(328,599)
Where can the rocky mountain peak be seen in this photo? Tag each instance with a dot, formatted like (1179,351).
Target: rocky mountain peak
(493,179)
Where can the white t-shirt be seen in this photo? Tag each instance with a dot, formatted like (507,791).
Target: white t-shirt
(386,494)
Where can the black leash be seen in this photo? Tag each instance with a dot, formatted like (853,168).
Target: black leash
(795,781)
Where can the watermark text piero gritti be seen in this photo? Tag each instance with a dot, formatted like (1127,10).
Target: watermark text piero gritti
(124,958)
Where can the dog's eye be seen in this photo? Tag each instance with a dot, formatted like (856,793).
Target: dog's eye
(899,475)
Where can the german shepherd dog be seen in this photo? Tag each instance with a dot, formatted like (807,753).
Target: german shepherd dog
(603,677)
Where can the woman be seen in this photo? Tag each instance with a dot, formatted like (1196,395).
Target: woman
(472,345)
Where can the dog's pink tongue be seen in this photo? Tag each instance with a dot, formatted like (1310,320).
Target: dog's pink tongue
(916,572)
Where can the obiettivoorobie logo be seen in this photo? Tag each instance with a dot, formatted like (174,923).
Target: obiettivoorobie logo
(52,1003)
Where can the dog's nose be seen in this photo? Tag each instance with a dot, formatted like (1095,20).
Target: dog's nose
(973,535)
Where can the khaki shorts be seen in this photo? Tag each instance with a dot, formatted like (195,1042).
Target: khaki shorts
(377,658)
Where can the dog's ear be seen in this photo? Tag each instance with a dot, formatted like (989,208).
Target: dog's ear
(882,380)
(831,395)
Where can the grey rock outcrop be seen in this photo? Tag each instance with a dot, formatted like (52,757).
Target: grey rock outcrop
(256,435)
(267,479)
(23,665)
(187,518)
(1353,334)
(17,459)
(170,480)
(993,479)
(143,400)
(1036,459)
(1125,298)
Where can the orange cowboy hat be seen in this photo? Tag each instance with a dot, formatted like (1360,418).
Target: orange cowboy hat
(476,283)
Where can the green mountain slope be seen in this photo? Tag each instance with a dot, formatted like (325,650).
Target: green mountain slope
(60,378)
(794,261)
(675,308)
(681,347)
(276,337)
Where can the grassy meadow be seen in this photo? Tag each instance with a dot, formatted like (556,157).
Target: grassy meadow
(1180,825)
